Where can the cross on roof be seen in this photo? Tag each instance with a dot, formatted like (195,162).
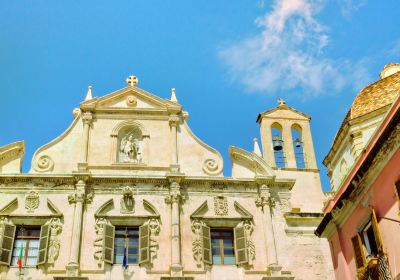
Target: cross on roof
(132,81)
(281,102)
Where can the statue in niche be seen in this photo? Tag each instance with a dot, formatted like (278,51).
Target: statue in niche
(127,200)
(130,149)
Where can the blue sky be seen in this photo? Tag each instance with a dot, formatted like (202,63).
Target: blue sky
(229,61)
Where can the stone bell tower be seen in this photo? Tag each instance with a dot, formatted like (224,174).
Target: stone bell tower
(287,147)
(286,138)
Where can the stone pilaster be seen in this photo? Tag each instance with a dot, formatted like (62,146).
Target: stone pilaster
(174,122)
(175,199)
(265,202)
(78,198)
(87,121)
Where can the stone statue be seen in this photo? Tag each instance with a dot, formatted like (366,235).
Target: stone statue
(54,242)
(130,149)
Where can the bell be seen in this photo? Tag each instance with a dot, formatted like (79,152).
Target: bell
(297,143)
(277,143)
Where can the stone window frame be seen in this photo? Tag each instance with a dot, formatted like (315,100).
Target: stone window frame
(41,221)
(130,220)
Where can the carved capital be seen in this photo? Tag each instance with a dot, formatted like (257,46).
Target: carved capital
(80,197)
(174,120)
(87,118)
(264,197)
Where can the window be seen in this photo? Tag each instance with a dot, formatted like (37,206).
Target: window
(222,246)
(28,239)
(126,238)
(367,243)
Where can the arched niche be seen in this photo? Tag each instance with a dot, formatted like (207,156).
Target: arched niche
(343,168)
(130,143)
(298,147)
(278,145)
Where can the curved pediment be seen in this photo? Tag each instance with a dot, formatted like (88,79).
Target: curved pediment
(247,164)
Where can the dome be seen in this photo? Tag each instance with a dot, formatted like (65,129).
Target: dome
(377,95)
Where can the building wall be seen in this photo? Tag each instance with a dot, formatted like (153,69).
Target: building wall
(383,199)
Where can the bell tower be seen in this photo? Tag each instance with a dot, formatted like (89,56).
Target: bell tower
(286,138)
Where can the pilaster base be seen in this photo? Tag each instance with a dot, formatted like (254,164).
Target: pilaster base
(70,278)
(82,166)
(174,168)
(176,271)
(72,270)
(176,278)
(275,272)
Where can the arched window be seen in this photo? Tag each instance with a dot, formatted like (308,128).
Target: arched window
(278,145)
(298,146)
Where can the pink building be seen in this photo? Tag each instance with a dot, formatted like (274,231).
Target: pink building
(362,219)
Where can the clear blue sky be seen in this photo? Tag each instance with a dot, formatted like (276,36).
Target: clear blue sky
(229,60)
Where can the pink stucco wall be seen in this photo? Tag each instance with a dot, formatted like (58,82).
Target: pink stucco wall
(385,202)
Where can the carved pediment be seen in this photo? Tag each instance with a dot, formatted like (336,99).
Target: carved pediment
(130,98)
(109,209)
(29,207)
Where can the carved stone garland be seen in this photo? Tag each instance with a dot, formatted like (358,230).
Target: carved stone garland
(197,244)
(54,241)
(98,242)
(154,226)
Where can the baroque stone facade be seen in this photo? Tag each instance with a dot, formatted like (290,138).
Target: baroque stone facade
(129,180)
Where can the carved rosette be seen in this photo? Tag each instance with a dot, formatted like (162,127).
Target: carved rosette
(197,244)
(44,163)
(127,201)
(98,242)
(131,101)
(32,201)
(54,240)
(220,206)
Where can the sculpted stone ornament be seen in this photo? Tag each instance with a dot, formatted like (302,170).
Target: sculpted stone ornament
(154,226)
(131,101)
(127,200)
(44,163)
(32,201)
(54,241)
(197,244)
(130,149)
(251,249)
(98,242)
(174,195)
(220,206)
(210,167)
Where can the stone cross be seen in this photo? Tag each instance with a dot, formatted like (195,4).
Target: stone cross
(132,81)
(281,102)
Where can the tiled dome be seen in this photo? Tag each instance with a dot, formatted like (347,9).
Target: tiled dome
(376,95)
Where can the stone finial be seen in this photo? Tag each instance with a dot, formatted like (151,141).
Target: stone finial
(89,94)
(173,96)
(132,81)
(281,102)
(256,149)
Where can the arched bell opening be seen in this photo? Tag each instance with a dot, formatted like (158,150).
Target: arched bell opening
(298,146)
(278,145)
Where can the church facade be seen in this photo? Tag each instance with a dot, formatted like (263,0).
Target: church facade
(129,192)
